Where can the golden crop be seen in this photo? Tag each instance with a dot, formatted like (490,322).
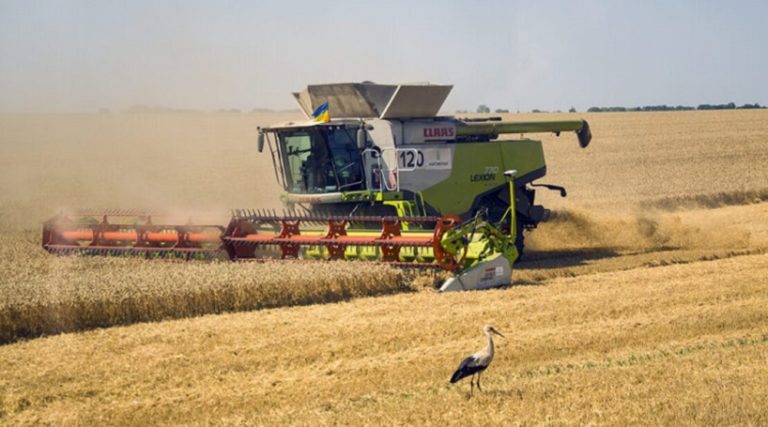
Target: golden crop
(43,295)
(671,345)
(646,305)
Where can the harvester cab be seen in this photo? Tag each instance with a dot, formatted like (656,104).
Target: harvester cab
(385,178)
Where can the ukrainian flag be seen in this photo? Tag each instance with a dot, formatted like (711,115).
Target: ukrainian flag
(322,114)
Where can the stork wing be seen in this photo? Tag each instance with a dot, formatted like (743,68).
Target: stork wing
(467,367)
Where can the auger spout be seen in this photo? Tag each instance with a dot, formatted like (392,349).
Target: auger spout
(491,128)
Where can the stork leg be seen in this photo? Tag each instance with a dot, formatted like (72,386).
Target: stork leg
(478,381)
(471,385)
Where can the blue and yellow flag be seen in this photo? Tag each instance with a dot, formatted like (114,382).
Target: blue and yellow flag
(322,114)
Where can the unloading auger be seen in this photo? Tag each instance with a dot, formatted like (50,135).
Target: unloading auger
(385,180)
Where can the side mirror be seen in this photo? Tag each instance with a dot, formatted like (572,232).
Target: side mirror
(261,141)
(361,138)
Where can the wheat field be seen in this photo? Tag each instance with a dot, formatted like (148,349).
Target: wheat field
(643,300)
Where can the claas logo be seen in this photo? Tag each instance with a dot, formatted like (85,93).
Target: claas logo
(441,132)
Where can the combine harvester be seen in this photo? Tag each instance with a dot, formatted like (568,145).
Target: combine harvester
(385,180)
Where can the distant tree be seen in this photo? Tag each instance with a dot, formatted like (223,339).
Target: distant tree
(728,106)
(571,110)
(501,110)
(482,108)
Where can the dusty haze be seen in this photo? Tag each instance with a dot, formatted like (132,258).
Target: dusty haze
(208,163)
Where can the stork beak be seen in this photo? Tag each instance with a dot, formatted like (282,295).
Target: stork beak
(498,333)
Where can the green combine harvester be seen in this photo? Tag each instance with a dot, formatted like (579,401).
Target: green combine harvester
(372,174)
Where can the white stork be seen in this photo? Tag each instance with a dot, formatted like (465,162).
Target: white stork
(476,363)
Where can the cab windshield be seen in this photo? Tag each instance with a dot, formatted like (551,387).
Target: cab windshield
(322,159)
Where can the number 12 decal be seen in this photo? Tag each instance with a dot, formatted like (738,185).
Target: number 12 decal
(411,159)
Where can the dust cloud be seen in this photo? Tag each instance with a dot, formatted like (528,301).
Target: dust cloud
(640,231)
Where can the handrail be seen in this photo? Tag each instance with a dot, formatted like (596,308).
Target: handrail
(384,172)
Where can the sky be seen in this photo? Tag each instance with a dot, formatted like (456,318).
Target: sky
(84,55)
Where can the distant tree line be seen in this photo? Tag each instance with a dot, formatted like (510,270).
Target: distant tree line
(728,106)
(484,109)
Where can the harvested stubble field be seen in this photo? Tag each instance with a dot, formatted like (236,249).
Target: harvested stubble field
(644,300)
